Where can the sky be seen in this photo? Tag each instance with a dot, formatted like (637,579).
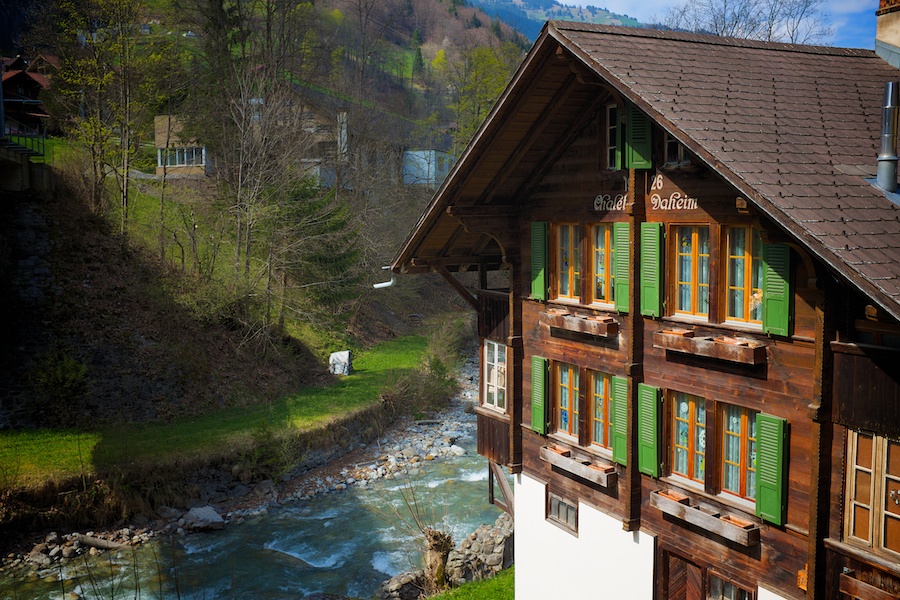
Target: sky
(853,21)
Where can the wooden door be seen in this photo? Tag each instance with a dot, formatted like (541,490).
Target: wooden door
(685,579)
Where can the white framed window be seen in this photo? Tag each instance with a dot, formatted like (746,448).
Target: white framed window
(722,589)
(181,157)
(613,133)
(562,511)
(495,375)
(676,153)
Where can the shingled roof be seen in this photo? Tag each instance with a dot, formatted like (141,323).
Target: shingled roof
(794,128)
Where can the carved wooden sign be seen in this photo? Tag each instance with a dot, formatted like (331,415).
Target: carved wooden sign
(607,202)
(675,200)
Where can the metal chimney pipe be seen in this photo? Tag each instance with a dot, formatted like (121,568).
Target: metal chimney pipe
(887,158)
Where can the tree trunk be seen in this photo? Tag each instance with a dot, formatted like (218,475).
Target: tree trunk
(437,548)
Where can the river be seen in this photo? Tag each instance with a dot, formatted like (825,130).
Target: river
(345,542)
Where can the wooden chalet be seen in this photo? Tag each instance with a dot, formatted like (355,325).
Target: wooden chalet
(692,364)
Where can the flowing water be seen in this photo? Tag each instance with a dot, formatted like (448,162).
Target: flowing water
(344,542)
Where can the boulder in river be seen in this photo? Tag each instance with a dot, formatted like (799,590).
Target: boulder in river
(204,517)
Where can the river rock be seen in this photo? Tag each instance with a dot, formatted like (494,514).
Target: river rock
(204,517)
(405,586)
(168,513)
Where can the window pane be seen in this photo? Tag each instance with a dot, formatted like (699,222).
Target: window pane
(601,263)
(737,241)
(601,408)
(893,458)
(564,261)
(864,450)
(892,497)
(700,441)
(575,401)
(892,532)
(756,283)
(576,285)
(861,522)
(863,487)
(732,450)
(681,462)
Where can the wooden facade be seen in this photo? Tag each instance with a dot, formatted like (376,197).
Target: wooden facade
(683,354)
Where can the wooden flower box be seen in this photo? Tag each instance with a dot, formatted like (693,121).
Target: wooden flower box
(596,325)
(675,496)
(708,518)
(678,332)
(739,350)
(558,450)
(737,521)
(601,474)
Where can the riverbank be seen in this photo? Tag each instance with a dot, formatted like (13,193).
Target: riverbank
(404,450)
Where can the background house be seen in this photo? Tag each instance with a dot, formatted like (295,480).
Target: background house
(427,168)
(686,278)
(175,156)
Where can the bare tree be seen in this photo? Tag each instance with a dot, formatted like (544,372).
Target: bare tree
(794,21)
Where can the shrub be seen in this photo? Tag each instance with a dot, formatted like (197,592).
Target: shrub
(430,386)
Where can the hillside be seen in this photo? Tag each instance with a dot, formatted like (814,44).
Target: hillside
(528,16)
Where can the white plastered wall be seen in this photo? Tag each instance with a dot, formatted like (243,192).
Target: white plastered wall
(603,562)
(764,594)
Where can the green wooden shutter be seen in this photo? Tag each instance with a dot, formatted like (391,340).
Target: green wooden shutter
(539,267)
(651,269)
(771,442)
(619,416)
(648,429)
(777,294)
(637,140)
(539,396)
(622,268)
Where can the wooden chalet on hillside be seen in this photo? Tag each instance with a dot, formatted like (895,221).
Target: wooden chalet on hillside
(692,366)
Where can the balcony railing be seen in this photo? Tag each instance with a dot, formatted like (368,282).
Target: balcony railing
(21,138)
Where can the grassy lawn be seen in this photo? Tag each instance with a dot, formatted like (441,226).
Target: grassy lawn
(499,588)
(30,458)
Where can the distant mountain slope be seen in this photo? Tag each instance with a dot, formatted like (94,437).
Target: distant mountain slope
(528,16)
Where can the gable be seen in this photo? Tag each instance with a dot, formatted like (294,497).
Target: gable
(792,128)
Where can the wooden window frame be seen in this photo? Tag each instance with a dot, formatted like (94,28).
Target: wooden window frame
(692,442)
(494,382)
(713,482)
(573,408)
(752,259)
(573,275)
(695,284)
(682,157)
(881,492)
(609,278)
(555,505)
(745,461)
(605,420)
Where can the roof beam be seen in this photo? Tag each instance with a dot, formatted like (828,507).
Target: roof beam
(456,285)
(534,132)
